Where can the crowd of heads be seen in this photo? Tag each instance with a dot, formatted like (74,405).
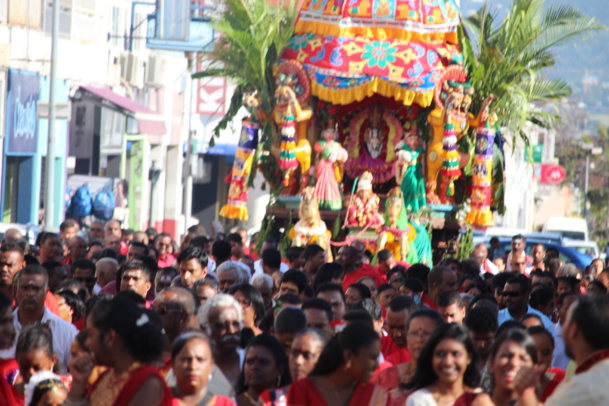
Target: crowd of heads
(142,296)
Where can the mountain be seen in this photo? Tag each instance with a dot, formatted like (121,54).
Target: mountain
(583,63)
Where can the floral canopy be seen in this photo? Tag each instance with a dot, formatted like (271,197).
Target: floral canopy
(353,49)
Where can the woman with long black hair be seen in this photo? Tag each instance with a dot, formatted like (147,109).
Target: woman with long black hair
(343,371)
(127,339)
(446,368)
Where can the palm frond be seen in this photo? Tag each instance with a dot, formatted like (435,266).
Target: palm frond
(508,58)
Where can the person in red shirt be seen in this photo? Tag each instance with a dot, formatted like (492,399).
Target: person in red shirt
(393,346)
(162,243)
(440,279)
(386,261)
(350,258)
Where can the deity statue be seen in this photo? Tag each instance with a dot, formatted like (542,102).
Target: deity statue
(310,228)
(450,121)
(409,174)
(292,114)
(396,235)
(236,206)
(364,208)
(329,169)
(373,136)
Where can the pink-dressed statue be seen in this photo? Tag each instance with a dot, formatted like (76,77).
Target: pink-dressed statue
(331,157)
(364,208)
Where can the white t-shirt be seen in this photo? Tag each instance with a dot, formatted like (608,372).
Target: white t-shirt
(586,388)
(421,397)
(63,336)
(283,268)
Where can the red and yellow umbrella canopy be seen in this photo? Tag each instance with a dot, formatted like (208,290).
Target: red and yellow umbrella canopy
(353,49)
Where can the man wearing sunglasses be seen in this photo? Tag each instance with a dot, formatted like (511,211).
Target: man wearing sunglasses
(516,297)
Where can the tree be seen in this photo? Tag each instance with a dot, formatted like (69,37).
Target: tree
(507,59)
(252,36)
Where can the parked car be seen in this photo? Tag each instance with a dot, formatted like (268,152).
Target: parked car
(569,227)
(585,247)
(567,254)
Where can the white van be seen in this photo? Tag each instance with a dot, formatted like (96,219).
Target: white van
(569,227)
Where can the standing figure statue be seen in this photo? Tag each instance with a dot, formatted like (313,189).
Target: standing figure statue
(329,169)
(396,235)
(364,208)
(292,114)
(409,174)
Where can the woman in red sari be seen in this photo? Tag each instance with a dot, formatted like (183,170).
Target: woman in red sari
(125,338)
(192,361)
(265,373)
(551,377)
(343,371)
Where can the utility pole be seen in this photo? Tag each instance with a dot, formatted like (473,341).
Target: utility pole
(188,164)
(49,207)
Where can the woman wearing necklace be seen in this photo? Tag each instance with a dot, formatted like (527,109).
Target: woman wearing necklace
(343,371)
(265,373)
(127,339)
(446,368)
(192,361)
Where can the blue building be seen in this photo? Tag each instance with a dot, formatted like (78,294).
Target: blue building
(25,148)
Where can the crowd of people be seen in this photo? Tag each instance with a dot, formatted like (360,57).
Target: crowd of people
(132,318)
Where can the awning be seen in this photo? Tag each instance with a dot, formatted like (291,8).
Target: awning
(149,122)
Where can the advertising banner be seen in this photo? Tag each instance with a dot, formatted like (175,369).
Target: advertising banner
(22,112)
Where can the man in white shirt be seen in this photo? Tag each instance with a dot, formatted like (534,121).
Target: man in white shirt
(560,359)
(259,266)
(32,283)
(586,336)
(480,254)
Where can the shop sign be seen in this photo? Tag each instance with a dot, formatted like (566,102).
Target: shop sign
(22,110)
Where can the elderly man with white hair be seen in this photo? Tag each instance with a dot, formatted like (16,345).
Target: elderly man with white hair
(229,274)
(105,271)
(221,317)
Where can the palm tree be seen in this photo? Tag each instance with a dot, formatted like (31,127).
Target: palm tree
(506,59)
(252,34)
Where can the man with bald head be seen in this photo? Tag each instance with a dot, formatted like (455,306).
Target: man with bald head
(105,272)
(113,227)
(480,254)
(176,306)
(12,235)
(351,258)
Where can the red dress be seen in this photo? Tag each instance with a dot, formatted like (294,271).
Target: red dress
(8,394)
(556,376)
(217,400)
(133,384)
(304,393)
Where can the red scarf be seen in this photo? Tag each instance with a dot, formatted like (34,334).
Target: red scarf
(593,360)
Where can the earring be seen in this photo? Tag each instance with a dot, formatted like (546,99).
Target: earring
(348,365)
